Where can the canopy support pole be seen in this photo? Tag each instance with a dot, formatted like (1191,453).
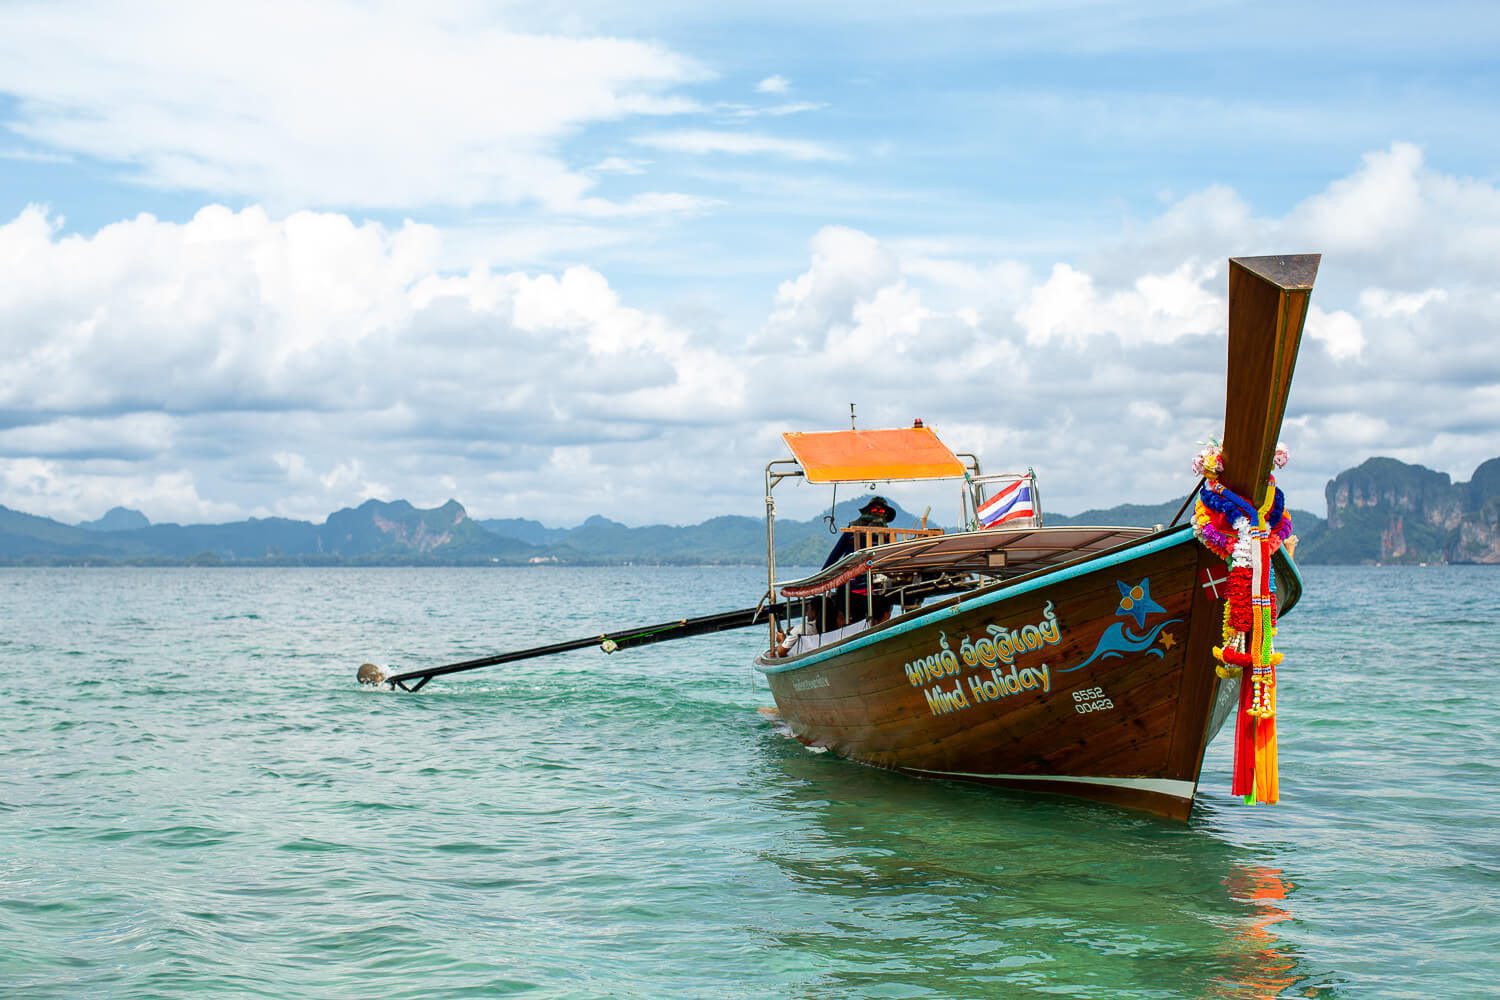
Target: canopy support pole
(772,478)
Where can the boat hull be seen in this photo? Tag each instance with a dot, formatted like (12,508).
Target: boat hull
(1097,681)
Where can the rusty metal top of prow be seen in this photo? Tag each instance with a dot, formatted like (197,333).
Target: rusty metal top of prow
(1292,272)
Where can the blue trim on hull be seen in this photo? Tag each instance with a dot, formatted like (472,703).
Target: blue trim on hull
(1170,539)
(1166,541)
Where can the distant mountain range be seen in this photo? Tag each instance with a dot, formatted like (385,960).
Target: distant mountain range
(378,533)
(1382,511)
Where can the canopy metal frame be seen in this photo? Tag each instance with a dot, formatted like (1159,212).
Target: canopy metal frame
(790,468)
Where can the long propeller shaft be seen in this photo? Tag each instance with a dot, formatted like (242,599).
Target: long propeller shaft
(641,635)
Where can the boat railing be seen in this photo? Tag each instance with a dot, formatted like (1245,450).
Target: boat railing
(867,536)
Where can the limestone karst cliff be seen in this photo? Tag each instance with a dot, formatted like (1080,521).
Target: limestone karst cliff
(1389,511)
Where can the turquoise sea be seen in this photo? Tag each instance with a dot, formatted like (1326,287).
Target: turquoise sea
(196,799)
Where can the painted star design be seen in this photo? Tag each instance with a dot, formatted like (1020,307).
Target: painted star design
(1137,603)
(1167,641)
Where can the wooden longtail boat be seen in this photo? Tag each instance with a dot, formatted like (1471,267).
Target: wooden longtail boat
(1072,660)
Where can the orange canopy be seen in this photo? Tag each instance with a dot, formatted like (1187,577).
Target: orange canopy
(873,456)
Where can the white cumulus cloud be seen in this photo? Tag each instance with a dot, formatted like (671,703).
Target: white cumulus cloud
(1158,308)
(250,362)
(1339,331)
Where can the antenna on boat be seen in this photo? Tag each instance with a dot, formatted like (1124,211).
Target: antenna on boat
(851,417)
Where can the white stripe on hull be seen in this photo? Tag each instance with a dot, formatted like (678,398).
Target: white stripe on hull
(1162,786)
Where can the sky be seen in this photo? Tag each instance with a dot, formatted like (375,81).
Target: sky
(555,260)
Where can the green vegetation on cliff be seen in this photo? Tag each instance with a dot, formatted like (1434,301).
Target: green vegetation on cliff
(1389,511)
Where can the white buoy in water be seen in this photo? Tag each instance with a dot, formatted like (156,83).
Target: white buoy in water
(370,674)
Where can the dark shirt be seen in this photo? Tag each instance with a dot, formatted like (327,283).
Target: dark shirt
(841,548)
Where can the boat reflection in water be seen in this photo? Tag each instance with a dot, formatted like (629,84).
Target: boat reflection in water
(921,888)
(1263,967)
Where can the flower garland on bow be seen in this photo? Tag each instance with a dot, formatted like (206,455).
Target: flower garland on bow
(1246,537)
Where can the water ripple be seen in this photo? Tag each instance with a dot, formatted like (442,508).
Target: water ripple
(199,800)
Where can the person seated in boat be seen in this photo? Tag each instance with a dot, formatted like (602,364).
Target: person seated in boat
(805,637)
(878,513)
(787,642)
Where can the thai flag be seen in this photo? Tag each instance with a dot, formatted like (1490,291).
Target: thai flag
(1009,504)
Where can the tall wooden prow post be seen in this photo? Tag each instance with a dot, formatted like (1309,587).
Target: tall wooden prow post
(1268,299)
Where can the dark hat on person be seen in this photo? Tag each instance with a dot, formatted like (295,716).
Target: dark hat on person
(878,507)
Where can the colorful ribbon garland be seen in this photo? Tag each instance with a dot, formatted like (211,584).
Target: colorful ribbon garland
(1246,537)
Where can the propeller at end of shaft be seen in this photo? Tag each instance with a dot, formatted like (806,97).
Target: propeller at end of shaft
(370,674)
